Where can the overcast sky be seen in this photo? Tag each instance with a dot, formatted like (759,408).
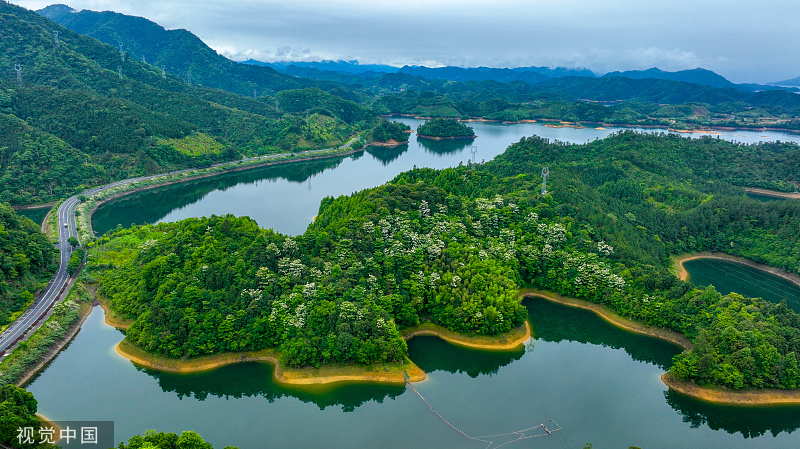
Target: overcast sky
(743,40)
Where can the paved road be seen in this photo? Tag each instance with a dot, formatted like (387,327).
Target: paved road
(59,285)
(52,293)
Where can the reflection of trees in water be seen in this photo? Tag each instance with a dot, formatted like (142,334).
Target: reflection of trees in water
(255,379)
(387,155)
(445,146)
(554,322)
(150,206)
(432,354)
(751,422)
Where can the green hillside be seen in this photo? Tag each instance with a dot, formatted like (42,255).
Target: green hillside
(96,116)
(180,51)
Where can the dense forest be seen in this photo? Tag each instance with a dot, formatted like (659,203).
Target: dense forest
(27,259)
(81,113)
(444,128)
(18,409)
(454,246)
(387,130)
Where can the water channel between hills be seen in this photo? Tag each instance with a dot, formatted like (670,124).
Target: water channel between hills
(601,384)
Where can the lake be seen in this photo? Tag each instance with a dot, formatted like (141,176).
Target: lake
(599,383)
(286,198)
(728,276)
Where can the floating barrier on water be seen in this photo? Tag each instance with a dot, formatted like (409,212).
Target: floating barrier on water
(541,429)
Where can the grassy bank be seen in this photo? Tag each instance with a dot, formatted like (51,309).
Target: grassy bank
(34,353)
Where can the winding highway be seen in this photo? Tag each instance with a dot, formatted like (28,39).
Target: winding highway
(61,282)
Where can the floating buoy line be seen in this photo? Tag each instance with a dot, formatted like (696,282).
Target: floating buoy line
(543,429)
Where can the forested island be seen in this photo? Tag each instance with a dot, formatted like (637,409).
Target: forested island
(442,128)
(388,134)
(454,247)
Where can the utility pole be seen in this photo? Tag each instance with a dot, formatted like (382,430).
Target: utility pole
(545,174)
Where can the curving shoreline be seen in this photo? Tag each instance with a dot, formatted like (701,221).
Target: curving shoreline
(772,193)
(680,270)
(504,342)
(612,317)
(376,373)
(721,395)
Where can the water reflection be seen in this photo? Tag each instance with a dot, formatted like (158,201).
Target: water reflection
(128,210)
(255,379)
(554,322)
(387,155)
(751,422)
(442,147)
(433,354)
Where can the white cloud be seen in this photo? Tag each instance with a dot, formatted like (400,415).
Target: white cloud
(742,40)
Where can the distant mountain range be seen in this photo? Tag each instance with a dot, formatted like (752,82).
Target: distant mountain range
(180,51)
(791,82)
(177,51)
(530,75)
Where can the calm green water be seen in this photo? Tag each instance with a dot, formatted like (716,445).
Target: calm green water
(37,215)
(287,197)
(764,198)
(727,276)
(599,383)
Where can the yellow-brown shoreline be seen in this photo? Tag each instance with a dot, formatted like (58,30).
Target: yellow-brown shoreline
(380,373)
(723,395)
(680,270)
(773,193)
(503,342)
(613,318)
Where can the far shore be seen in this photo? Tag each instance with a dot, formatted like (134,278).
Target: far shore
(722,395)
(613,318)
(391,143)
(445,138)
(680,270)
(773,193)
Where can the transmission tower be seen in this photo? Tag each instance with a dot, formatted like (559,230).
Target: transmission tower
(119,70)
(545,174)
(474,151)
(55,34)
(18,68)
(144,60)
(189,76)
(255,93)
(121,52)
(163,72)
